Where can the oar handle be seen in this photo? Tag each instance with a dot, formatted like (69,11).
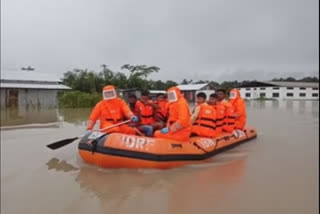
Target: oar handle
(115,125)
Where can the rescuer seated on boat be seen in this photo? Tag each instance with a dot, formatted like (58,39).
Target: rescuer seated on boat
(214,102)
(201,100)
(162,111)
(205,124)
(239,109)
(112,110)
(132,98)
(229,118)
(178,126)
(132,101)
(147,113)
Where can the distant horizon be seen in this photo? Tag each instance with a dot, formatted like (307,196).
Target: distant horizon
(297,76)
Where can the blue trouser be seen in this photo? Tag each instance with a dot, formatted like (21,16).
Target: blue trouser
(147,130)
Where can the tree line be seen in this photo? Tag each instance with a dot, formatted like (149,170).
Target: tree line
(87,85)
(89,81)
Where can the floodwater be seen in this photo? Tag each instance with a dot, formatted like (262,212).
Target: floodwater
(277,172)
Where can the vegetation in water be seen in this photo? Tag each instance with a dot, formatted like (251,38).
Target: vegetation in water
(73,99)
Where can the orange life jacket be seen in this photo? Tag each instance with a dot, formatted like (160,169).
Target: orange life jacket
(162,112)
(205,124)
(146,113)
(220,111)
(229,118)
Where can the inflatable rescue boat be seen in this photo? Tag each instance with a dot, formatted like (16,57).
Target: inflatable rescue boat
(127,151)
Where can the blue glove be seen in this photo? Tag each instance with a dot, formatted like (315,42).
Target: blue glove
(134,119)
(87,132)
(164,130)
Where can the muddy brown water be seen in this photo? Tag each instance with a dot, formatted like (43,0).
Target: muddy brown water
(277,172)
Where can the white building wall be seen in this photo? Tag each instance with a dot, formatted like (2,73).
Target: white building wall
(207,92)
(283,92)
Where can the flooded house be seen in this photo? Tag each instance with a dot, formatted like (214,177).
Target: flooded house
(280,90)
(26,95)
(190,90)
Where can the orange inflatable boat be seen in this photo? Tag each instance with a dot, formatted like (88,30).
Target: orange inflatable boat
(127,151)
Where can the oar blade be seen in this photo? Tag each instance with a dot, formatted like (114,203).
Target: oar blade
(61,143)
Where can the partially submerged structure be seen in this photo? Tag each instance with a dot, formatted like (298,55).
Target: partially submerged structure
(280,90)
(27,97)
(190,91)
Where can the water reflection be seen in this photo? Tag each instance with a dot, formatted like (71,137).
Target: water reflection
(77,116)
(295,106)
(15,116)
(215,184)
(56,164)
(168,191)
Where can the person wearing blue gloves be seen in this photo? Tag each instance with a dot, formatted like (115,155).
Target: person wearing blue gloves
(112,110)
(178,126)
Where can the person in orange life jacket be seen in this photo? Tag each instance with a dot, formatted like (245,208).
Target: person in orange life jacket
(162,112)
(132,101)
(239,108)
(213,101)
(178,126)
(221,95)
(147,110)
(205,123)
(201,100)
(229,119)
(111,110)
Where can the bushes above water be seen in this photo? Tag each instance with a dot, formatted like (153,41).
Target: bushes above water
(77,99)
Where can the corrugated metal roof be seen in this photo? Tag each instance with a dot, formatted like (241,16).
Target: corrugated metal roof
(34,86)
(21,75)
(192,87)
(294,84)
(157,91)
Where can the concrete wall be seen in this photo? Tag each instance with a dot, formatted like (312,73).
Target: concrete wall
(256,92)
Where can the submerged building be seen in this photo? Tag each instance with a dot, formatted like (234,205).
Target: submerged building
(280,90)
(29,89)
(190,91)
(28,97)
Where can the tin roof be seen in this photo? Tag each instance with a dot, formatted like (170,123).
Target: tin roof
(33,86)
(295,84)
(192,87)
(157,92)
(280,84)
(22,75)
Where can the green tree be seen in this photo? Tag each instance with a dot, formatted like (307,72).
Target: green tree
(186,82)
(138,75)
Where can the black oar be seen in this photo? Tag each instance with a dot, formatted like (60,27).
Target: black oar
(64,142)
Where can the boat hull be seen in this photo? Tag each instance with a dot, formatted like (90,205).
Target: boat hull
(126,151)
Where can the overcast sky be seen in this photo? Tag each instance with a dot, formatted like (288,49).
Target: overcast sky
(205,39)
